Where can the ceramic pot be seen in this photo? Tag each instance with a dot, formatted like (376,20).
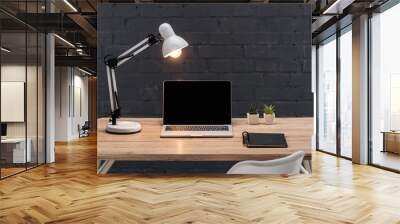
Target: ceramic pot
(253,118)
(269,118)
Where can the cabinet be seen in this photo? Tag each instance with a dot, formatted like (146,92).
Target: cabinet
(391,142)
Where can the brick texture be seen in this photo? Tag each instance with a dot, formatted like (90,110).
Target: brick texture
(264,49)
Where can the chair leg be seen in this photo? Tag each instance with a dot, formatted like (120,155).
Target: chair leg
(307,166)
(303,170)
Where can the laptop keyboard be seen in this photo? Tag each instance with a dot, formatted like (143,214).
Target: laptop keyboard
(196,128)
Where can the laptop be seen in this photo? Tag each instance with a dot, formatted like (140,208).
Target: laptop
(197,109)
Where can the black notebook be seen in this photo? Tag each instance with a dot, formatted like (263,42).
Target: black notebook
(264,140)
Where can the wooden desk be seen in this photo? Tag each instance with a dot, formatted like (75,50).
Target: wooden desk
(391,141)
(148,146)
(15,152)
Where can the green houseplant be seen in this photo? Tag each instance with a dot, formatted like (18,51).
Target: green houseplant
(252,115)
(269,114)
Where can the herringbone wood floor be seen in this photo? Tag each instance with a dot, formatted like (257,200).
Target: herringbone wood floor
(69,191)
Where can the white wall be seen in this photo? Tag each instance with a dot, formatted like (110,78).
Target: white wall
(81,102)
(50,94)
(71,102)
(14,73)
(62,82)
(17,73)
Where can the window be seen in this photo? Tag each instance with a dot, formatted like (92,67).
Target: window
(327,95)
(385,88)
(346,92)
(334,93)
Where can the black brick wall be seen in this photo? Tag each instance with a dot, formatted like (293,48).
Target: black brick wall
(264,49)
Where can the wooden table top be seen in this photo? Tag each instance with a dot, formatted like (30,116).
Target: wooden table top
(148,146)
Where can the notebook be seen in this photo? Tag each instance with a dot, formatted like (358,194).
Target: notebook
(264,140)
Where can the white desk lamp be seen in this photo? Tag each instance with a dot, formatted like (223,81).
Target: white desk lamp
(171,47)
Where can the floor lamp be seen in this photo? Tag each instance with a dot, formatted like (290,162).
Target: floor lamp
(172,46)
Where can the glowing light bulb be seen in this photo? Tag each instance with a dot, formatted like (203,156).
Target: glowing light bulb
(176,54)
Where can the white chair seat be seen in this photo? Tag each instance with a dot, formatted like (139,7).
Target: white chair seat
(289,165)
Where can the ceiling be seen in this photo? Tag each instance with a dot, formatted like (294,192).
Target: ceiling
(76,22)
(77,25)
(334,15)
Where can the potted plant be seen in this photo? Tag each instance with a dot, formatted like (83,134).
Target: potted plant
(253,116)
(269,113)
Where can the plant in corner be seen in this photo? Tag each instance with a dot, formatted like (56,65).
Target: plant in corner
(269,113)
(253,116)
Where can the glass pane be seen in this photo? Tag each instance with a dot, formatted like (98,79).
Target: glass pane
(23,89)
(327,96)
(32,87)
(346,94)
(385,84)
(13,86)
(31,98)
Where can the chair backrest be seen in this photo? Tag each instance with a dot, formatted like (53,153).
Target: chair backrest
(86,125)
(287,165)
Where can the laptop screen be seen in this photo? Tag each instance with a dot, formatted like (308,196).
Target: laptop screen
(197,102)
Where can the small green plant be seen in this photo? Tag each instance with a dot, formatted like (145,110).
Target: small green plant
(253,109)
(269,109)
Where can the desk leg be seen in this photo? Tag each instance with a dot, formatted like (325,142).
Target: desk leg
(105,167)
(307,165)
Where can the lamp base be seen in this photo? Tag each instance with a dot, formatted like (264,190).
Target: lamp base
(124,127)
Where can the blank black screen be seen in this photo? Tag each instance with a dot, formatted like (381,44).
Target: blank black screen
(197,102)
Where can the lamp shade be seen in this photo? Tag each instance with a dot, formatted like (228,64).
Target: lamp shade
(172,44)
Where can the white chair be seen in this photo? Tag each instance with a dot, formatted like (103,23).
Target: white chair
(289,165)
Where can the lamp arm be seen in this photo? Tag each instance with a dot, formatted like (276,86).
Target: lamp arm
(113,62)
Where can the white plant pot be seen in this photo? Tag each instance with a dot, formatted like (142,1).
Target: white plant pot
(253,118)
(269,118)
